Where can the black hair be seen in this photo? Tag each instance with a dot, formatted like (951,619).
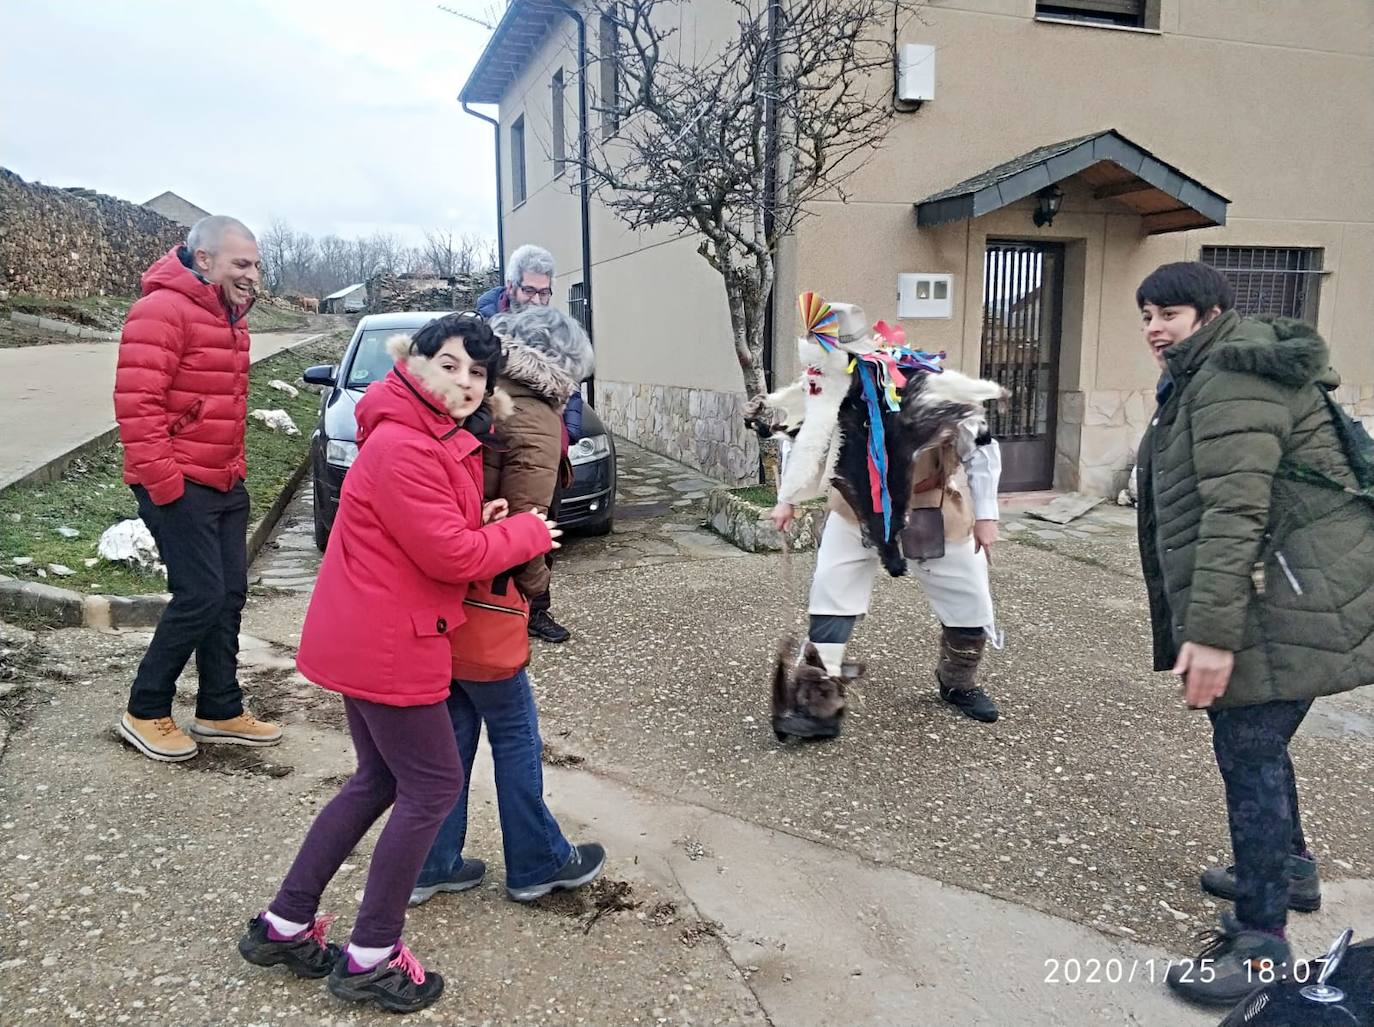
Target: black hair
(1187,283)
(480,342)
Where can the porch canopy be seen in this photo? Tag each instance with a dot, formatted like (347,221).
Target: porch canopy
(1115,168)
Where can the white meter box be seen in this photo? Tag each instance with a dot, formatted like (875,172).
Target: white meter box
(925,295)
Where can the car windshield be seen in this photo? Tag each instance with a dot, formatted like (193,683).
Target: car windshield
(371,361)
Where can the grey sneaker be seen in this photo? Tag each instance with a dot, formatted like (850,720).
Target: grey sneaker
(1233,962)
(1304,884)
(582,867)
(398,983)
(467,876)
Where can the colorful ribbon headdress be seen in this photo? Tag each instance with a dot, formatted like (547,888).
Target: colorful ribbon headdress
(821,322)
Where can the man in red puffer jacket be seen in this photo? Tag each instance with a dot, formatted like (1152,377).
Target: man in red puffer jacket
(181,400)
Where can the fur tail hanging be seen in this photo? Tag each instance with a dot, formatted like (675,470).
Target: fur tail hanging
(953,387)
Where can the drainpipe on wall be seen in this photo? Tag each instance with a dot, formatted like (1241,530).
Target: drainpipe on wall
(583,132)
(500,203)
(770,189)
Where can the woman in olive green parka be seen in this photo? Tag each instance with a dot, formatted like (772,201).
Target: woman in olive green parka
(1260,582)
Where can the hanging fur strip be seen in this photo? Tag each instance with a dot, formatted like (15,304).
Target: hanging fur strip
(931,408)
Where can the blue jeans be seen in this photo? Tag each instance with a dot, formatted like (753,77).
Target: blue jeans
(534,847)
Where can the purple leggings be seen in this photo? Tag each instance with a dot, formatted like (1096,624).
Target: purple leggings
(406,756)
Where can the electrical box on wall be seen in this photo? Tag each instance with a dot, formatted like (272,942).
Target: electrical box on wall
(916,72)
(923,295)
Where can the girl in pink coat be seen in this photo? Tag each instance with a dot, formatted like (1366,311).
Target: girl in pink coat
(412,532)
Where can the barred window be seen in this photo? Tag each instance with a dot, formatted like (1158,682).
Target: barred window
(577,303)
(1142,14)
(1284,281)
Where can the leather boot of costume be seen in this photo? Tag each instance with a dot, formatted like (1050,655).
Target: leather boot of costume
(961,650)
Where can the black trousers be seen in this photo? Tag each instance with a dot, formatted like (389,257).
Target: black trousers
(1251,746)
(203,540)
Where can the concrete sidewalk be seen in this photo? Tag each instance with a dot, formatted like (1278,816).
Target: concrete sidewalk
(56,398)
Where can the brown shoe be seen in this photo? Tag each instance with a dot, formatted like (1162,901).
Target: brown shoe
(245,729)
(158,739)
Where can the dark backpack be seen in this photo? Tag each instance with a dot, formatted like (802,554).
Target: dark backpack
(1356,444)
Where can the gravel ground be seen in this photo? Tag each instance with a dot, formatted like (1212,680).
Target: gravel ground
(125,883)
(1094,797)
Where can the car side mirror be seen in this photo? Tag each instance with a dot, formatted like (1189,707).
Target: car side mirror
(321,374)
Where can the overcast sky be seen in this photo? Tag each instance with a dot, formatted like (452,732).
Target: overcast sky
(338,115)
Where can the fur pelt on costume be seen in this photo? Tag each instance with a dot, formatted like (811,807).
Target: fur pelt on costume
(932,408)
(826,414)
(806,699)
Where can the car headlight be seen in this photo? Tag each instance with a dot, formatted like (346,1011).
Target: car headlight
(340,453)
(593,447)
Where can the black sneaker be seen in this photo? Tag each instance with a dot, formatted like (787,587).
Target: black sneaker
(1304,885)
(972,702)
(543,626)
(467,876)
(1233,962)
(398,983)
(582,867)
(307,954)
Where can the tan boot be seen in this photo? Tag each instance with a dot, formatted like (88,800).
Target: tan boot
(158,739)
(245,729)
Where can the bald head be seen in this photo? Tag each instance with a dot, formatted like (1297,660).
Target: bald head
(225,252)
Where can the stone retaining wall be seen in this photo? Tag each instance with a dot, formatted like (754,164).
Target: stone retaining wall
(699,427)
(70,243)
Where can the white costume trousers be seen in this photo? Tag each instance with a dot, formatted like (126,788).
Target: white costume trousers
(956,585)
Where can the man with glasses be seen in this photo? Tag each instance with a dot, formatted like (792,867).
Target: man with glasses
(529,283)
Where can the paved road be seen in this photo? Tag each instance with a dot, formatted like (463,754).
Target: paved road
(55,398)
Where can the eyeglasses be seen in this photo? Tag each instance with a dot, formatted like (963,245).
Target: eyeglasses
(530,292)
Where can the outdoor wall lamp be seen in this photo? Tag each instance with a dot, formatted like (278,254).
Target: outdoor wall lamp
(1047,205)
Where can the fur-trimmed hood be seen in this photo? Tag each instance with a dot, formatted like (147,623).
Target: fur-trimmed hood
(536,370)
(438,384)
(1281,349)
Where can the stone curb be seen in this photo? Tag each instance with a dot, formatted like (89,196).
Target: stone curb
(65,327)
(54,468)
(65,608)
(745,524)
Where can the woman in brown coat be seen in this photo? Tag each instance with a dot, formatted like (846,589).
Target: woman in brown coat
(546,354)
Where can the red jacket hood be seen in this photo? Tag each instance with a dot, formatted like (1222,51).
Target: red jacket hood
(172,272)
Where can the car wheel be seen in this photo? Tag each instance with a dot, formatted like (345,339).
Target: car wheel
(599,528)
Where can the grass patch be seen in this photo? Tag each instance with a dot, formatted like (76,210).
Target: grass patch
(91,495)
(767,496)
(268,317)
(759,495)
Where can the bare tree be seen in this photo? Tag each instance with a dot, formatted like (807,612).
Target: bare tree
(441,252)
(734,142)
(276,243)
(386,252)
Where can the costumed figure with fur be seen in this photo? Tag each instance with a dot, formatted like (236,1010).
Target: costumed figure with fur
(901,446)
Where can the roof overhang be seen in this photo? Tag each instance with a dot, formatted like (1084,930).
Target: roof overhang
(1114,168)
(517,38)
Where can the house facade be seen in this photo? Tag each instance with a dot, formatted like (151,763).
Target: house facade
(1060,151)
